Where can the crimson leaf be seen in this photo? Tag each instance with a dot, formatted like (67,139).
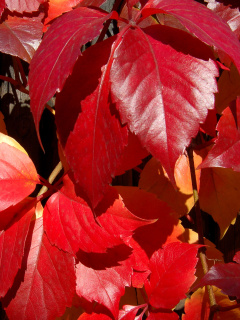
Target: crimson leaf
(47,289)
(23,5)
(161,91)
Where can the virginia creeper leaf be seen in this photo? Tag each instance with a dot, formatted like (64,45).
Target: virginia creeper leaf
(237,257)
(12,242)
(49,281)
(206,25)
(103,277)
(225,276)
(62,41)
(2,6)
(129,312)
(147,206)
(150,74)
(18,176)
(225,153)
(20,37)
(70,224)
(22,5)
(172,274)
(94,316)
(198,308)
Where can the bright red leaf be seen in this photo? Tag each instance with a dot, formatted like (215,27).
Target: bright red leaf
(23,5)
(20,37)
(12,242)
(205,25)
(70,225)
(225,153)
(163,316)
(129,312)
(172,274)
(49,282)
(225,276)
(2,6)
(63,42)
(103,277)
(147,82)
(18,176)
(94,316)
(237,257)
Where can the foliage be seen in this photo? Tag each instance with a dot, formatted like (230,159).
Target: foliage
(162,94)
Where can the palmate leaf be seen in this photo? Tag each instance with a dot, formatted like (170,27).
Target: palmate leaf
(205,25)
(172,274)
(18,175)
(12,242)
(46,283)
(20,37)
(162,92)
(58,52)
(23,5)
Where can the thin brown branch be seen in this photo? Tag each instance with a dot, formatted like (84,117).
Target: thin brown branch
(52,177)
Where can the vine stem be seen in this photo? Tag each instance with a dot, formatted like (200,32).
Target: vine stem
(199,223)
(51,178)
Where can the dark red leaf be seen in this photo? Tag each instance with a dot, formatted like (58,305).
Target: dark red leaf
(23,5)
(225,153)
(12,242)
(70,224)
(163,316)
(2,6)
(225,276)
(49,281)
(237,257)
(172,274)
(20,37)
(63,42)
(205,25)
(161,91)
(103,277)
(94,316)
(18,176)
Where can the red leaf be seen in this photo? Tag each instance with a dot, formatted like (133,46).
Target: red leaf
(103,277)
(12,242)
(173,269)
(163,316)
(237,257)
(70,224)
(225,276)
(49,281)
(20,37)
(225,153)
(18,176)
(148,60)
(205,25)
(63,41)
(23,5)
(94,316)
(129,312)
(2,6)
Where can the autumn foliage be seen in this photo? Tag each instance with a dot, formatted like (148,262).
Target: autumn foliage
(158,94)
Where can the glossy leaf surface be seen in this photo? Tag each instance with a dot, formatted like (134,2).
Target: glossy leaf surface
(45,283)
(63,42)
(172,270)
(206,25)
(20,37)
(168,130)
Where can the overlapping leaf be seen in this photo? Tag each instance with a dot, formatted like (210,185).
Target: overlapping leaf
(12,242)
(225,153)
(206,25)
(2,6)
(172,274)
(23,5)
(129,312)
(163,316)
(48,283)
(70,224)
(55,58)
(103,277)
(20,37)
(162,92)
(18,176)
(198,308)
(225,276)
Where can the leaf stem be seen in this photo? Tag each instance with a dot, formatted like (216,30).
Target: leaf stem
(52,177)
(199,223)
